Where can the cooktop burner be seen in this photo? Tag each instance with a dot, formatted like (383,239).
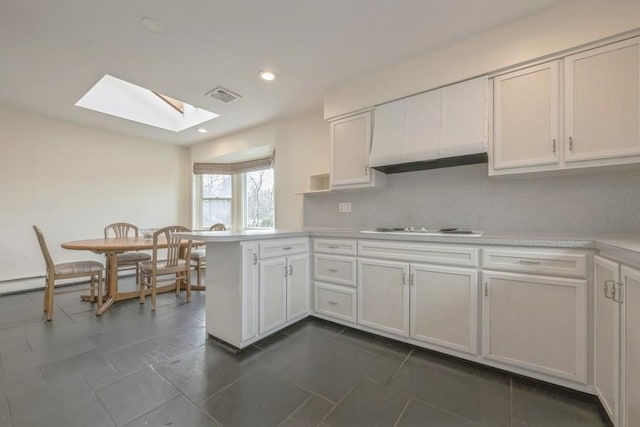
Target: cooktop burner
(427,231)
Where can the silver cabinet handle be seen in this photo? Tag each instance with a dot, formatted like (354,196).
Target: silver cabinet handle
(286,248)
(412,279)
(554,146)
(486,289)
(570,143)
(333,302)
(620,298)
(404,278)
(333,247)
(255,259)
(333,270)
(366,169)
(285,271)
(525,262)
(290,269)
(606,288)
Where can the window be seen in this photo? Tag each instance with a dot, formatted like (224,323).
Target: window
(215,200)
(259,199)
(238,201)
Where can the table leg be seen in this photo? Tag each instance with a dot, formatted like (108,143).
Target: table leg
(112,283)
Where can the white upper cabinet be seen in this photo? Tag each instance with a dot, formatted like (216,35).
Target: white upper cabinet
(590,118)
(602,102)
(446,122)
(350,146)
(464,118)
(526,118)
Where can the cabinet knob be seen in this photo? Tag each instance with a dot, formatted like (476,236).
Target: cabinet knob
(333,270)
(570,143)
(333,302)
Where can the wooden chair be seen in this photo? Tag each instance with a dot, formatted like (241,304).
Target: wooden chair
(172,269)
(127,260)
(199,257)
(68,270)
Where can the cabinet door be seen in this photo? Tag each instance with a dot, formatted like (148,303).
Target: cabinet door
(526,117)
(630,375)
(388,133)
(383,295)
(297,286)
(273,293)
(464,118)
(444,303)
(250,291)
(350,145)
(536,322)
(423,124)
(607,331)
(602,94)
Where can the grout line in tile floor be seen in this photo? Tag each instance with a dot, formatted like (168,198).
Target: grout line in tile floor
(295,410)
(404,408)
(344,396)
(446,411)
(313,393)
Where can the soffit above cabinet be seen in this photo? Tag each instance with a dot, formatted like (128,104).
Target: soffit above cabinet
(444,123)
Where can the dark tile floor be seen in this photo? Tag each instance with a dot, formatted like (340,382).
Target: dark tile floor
(134,367)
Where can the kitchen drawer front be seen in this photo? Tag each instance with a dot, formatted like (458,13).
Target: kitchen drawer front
(335,269)
(461,255)
(335,301)
(335,246)
(555,262)
(282,247)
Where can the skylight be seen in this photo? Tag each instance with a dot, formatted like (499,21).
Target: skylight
(123,99)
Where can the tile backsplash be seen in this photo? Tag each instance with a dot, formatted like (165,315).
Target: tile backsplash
(465,196)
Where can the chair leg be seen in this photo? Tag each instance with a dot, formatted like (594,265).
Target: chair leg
(100,289)
(92,288)
(46,294)
(142,289)
(199,272)
(137,273)
(50,290)
(187,277)
(153,293)
(178,283)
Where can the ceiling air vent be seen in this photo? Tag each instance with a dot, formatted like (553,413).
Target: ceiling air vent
(223,95)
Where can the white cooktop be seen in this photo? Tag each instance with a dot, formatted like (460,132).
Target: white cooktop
(424,231)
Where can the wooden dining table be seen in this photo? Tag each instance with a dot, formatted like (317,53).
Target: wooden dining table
(111,247)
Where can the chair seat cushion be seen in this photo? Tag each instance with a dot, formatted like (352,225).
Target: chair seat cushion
(132,257)
(79,267)
(198,254)
(147,267)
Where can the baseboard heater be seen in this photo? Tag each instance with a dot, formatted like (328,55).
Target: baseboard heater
(469,159)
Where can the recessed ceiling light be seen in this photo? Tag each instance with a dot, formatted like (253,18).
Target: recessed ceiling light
(152,25)
(267,75)
(202,130)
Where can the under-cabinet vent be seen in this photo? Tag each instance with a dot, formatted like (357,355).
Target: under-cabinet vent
(223,95)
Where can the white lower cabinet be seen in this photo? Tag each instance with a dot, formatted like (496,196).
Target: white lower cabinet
(250,291)
(383,295)
(283,290)
(536,322)
(335,301)
(617,340)
(444,306)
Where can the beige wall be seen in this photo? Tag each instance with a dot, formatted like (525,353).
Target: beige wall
(567,25)
(73,180)
(302,149)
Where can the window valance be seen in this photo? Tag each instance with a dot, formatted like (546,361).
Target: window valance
(234,168)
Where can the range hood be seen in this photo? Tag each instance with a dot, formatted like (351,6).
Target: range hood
(440,128)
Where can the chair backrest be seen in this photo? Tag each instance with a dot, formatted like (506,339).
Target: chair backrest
(218,227)
(173,244)
(120,229)
(43,247)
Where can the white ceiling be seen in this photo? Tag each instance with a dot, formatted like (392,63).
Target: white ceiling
(52,52)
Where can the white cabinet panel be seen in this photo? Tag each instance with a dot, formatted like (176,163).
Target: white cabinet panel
(273,293)
(526,117)
(607,331)
(250,291)
(422,126)
(335,269)
(335,301)
(283,247)
(444,306)
(422,252)
(297,286)
(465,115)
(536,322)
(389,133)
(630,375)
(383,295)
(556,262)
(602,95)
(335,246)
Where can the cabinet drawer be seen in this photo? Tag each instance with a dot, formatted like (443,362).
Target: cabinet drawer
(282,247)
(336,269)
(335,301)
(437,254)
(335,246)
(556,262)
